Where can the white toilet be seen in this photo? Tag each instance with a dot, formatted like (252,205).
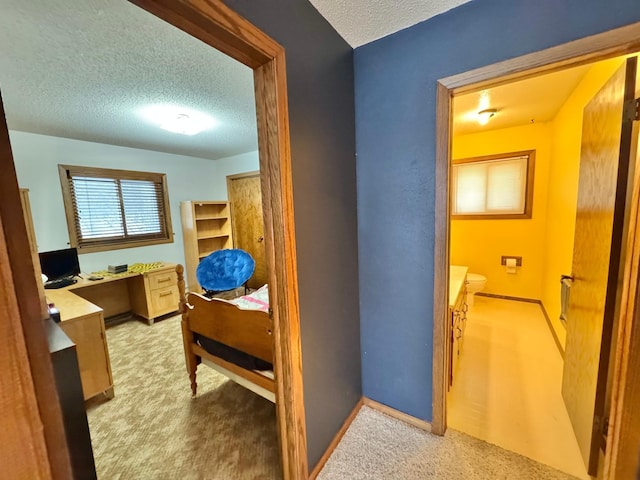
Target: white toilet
(475,284)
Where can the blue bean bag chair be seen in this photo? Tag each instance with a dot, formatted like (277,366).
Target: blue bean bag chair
(225,270)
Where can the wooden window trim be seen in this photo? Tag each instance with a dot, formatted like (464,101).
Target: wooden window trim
(102,246)
(528,202)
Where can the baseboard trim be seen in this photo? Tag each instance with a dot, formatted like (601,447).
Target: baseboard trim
(336,440)
(507,297)
(544,312)
(397,414)
(553,330)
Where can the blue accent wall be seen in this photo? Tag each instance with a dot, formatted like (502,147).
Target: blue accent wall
(322,122)
(395,80)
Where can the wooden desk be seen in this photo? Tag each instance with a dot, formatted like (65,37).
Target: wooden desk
(83,322)
(148,295)
(84,305)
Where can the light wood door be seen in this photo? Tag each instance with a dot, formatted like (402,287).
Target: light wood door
(245,196)
(600,216)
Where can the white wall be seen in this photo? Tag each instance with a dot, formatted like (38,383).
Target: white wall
(245,162)
(37,157)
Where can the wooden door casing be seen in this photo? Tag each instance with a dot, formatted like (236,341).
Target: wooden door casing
(609,44)
(32,437)
(596,256)
(245,196)
(623,386)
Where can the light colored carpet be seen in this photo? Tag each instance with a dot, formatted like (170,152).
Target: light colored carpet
(379,447)
(153,429)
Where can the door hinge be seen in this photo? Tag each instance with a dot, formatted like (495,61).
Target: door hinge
(631,110)
(601,427)
(270,312)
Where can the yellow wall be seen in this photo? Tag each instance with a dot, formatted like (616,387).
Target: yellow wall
(479,244)
(566,133)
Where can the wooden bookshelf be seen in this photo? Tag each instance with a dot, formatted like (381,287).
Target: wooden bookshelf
(206,227)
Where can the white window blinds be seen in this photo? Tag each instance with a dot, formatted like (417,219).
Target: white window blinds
(490,187)
(111,207)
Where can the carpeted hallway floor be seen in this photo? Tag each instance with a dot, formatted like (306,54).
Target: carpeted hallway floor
(382,448)
(153,429)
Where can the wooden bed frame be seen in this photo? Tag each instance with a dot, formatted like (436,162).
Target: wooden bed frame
(249,331)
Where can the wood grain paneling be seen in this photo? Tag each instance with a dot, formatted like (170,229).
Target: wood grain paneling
(33,246)
(93,357)
(23,453)
(595,256)
(254,338)
(245,196)
(215,24)
(83,322)
(32,437)
(113,297)
(623,399)
(441,325)
(280,248)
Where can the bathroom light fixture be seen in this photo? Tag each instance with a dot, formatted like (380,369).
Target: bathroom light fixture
(178,119)
(485,115)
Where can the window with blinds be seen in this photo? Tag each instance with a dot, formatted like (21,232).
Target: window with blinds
(498,186)
(109,209)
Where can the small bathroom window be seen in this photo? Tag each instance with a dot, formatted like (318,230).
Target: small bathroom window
(495,186)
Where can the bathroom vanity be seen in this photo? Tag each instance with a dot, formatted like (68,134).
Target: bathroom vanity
(457,315)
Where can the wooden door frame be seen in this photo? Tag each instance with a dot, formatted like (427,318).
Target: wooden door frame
(218,26)
(587,50)
(212,22)
(22,303)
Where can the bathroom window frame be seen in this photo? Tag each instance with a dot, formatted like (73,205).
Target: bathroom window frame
(527,184)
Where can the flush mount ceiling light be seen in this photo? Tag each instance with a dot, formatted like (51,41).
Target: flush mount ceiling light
(182,124)
(485,115)
(177,119)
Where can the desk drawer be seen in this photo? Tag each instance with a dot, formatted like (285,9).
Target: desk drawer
(164,300)
(164,279)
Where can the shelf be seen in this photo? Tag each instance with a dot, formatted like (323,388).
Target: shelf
(212,217)
(206,228)
(217,235)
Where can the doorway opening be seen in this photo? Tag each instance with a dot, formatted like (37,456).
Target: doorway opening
(220,28)
(451,90)
(514,191)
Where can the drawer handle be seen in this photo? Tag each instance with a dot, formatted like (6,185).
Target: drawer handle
(164,279)
(164,294)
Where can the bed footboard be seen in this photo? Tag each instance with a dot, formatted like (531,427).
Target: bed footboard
(250,331)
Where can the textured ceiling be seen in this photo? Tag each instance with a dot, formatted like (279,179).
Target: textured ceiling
(84,68)
(363,21)
(536,99)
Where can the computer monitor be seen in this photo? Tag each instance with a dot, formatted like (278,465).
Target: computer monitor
(60,263)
